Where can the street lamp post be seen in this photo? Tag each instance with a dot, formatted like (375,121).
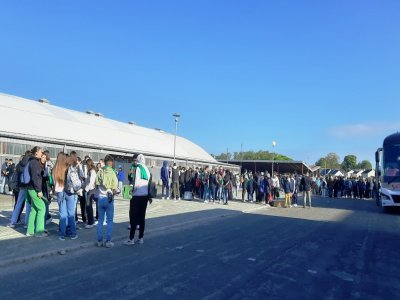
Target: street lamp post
(273,157)
(176,116)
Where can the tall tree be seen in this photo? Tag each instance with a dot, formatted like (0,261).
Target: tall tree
(330,161)
(365,164)
(349,162)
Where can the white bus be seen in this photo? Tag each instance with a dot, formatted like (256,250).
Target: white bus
(387,172)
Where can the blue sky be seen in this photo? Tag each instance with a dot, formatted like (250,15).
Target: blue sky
(315,76)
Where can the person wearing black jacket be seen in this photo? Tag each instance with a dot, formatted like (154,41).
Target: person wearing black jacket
(20,203)
(38,208)
(306,184)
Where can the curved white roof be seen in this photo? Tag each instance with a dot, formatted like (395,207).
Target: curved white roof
(34,120)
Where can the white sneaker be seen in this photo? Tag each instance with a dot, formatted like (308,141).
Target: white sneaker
(109,244)
(162,198)
(87,226)
(167,198)
(129,242)
(268,205)
(100,244)
(179,198)
(295,205)
(11,225)
(95,223)
(140,241)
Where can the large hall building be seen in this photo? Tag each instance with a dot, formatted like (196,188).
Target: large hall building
(26,123)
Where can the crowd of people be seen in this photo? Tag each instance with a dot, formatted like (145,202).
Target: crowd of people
(35,181)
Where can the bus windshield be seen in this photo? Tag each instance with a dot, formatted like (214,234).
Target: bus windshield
(391,163)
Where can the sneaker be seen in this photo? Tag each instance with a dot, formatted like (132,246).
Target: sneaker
(87,226)
(129,242)
(61,238)
(167,198)
(100,244)
(49,220)
(179,198)
(43,234)
(74,237)
(295,205)
(109,244)
(11,225)
(140,241)
(29,234)
(95,223)
(162,198)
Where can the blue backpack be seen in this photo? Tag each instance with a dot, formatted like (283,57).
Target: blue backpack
(26,174)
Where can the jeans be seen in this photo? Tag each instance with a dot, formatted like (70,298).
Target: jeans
(66,204)
(166,187)
(3,184)
(306,194)
(206,193)
(18,206)
(105,208)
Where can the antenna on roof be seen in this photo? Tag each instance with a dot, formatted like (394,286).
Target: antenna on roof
(44,100)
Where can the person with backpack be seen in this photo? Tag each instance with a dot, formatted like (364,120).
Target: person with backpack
(38,208)
(107,187)
(21,187)
(140,198)
(73,187)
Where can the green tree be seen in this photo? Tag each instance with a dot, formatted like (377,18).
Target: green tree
(223,156)
(252,155)
(365,164)
(330,161)
(349,162)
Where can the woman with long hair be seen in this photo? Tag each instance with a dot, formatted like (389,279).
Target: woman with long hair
(38,208)
(90,188)
(59,177)
(73,186)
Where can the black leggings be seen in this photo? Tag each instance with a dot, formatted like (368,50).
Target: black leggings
(137,214)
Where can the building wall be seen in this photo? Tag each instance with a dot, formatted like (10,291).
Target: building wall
(14,148)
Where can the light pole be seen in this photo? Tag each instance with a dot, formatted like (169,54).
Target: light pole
(273,157)
(176,116)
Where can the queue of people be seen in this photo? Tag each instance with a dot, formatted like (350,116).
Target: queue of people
(70,181)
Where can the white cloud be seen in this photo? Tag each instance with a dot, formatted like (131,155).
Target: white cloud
(363,130)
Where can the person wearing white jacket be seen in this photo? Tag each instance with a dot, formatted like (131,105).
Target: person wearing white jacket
(90,191)
(140,198)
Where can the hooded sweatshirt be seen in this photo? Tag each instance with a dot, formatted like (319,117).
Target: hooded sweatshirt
(141,178)
(106,180)
(164,172)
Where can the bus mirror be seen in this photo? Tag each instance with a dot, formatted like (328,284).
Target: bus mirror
(377,156)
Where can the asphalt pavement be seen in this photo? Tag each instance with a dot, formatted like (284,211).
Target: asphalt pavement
(339,249)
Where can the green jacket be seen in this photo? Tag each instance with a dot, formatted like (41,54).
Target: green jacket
(106,177)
